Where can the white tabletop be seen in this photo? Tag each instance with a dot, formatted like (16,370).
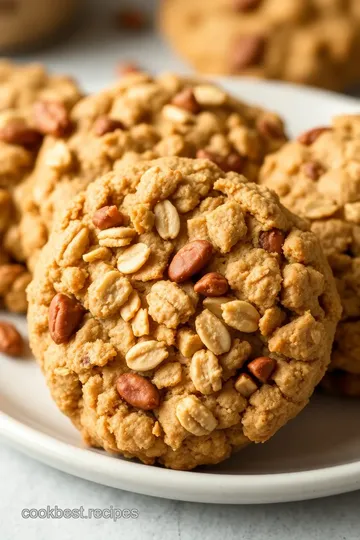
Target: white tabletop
(94,45)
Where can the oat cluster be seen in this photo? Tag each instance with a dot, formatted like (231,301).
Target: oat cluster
(179,312)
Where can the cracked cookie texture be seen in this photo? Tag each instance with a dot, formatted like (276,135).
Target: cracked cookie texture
(180,312)
(21,87)
(314,42)
(142,118)
(318,177)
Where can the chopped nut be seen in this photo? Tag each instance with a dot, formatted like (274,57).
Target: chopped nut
(11,342)
(167,221)
(195,417)
(205,372)
(271,320)
(247,51)
(97,254)
(140,323)
(131,307)
(186,100)
(126,68)
(76,247)
(245,385)
(104,124)
(146,355)
(272,241)
(65,316)
(232,162)
(52,118)
(107,217)
(309,137)
(189,260)
(209,95)
(313,169)
(176,114)
(245,5)
(212,284)
(59,157)
(168,375)
(271,128)
(262,368)
(116,236)
(108,293)
(16,131)
(188,342)
(241,315)
(133,258)
(214,304)
(212,332)
(138,391)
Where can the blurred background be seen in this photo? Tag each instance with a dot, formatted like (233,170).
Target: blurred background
(306,41)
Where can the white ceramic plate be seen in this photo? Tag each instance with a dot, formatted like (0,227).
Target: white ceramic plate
(317,454)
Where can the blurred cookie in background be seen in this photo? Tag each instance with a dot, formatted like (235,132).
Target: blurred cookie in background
(31,102)
(314,42)
(32,22)
(318,177)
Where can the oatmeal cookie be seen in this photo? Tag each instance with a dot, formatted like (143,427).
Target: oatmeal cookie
(313,42)
(142,118)
(179,312)
(318,177)
(23,91)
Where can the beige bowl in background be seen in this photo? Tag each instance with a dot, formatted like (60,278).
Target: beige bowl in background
(30,22)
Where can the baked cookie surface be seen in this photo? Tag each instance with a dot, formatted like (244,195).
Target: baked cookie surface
(143,118)
(179,312)
(318,177)
(314,42)
(24,89)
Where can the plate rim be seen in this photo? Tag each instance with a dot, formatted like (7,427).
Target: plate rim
(194,486)
(191,486)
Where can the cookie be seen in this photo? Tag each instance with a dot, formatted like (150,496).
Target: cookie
(142,118)
(318,177)
(23,91)
(179,312)
(314,42)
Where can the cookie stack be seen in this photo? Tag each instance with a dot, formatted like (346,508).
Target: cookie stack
(177,309)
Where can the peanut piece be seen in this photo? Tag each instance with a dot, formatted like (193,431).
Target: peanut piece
(146,355)
(186,100)
(309,137)
(138,391)
(167,221)
(133,258)
(195,417)
(245,385)
(272,241)
(212,332)
(11,342)
(107,216)
(104,124)
(65,315)
(205,372)
(262,368)
(212,284)
(189,260)
(52,118)
(241,315)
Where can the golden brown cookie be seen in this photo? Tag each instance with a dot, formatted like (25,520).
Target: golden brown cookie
(142,118)
(23,92)
(179,312)
(318,177)
(314,42)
